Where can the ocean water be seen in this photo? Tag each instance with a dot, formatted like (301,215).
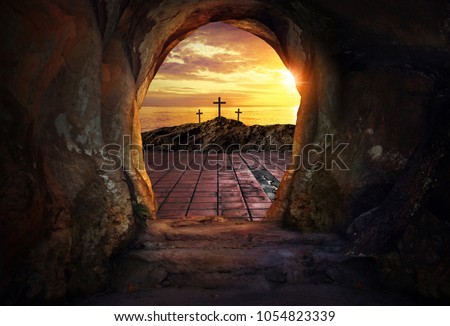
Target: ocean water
(157,117)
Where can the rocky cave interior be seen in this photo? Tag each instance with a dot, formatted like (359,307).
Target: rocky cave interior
(74,75)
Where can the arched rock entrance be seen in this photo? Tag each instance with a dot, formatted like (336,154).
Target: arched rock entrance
(149,45)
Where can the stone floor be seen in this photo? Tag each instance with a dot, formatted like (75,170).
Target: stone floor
(201,260)
(211,184)
(219,261)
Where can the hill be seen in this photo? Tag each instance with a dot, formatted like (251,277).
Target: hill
(221,134)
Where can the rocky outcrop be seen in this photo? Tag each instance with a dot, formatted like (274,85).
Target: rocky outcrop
(73,76)
(220,134)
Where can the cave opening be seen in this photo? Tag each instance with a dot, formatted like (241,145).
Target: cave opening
(74,76)
(204,162)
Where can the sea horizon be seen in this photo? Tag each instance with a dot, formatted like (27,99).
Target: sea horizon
(154,117)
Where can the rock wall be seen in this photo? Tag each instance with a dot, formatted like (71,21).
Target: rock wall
(62,217)
(73,76)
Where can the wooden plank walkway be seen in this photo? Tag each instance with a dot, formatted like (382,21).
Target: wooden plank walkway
(211,184)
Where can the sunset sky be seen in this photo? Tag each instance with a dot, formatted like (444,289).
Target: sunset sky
(221,60)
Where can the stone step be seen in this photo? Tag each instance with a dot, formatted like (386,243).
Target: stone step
(261,267)
(163,233)
(206,253)
(214,259)
(201,268)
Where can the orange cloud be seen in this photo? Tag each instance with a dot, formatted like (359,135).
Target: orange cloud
(221,60)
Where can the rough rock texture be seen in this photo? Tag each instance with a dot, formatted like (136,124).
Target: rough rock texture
(74,74)
(201,261)
(220,134)
(420,261)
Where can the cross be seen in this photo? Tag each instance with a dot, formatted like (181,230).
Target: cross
(238,112)
(199,113)
(219,102)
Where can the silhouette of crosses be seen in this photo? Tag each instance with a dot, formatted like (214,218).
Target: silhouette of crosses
(238,112)
(219,102)
(199,113)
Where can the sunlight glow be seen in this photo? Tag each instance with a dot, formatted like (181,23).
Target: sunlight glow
(288,78)
(221,60)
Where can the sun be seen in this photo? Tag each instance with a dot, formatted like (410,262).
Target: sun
(288,79)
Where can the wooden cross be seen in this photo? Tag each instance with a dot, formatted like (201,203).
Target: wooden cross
(199,113)
(238,112)
(219,102)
